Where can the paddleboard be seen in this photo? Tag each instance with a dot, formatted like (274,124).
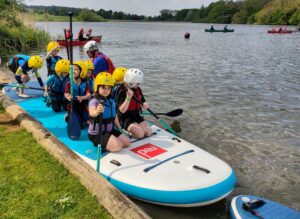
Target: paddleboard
(240,205)
(162,169)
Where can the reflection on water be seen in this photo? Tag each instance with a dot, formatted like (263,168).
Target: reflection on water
(240,93)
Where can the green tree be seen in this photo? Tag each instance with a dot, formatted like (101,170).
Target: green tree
(89,16)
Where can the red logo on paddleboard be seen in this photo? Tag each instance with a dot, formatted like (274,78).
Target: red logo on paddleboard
(148,151)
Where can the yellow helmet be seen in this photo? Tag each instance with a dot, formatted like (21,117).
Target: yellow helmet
(52,45)
(35,62)
(103,78)
(83,71)
(89,64)
(63,65)
(119,73)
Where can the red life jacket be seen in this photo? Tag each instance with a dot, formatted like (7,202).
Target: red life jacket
(111,66)
(134,105)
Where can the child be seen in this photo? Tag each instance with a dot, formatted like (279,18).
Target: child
(89,76)
(21,65)
(129,112)
(52,57)
(111,139)
(81,93)
(118,75)
(56,83)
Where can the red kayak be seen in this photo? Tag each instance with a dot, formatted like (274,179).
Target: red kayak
(280,32)
(78,42)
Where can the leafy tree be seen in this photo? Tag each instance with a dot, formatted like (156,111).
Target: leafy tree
(87,15)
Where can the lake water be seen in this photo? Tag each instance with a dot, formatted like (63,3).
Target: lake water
(240,93)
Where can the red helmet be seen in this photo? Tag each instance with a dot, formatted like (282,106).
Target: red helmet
(81,30)
(90,30)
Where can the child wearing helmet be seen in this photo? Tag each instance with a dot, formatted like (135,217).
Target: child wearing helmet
(21,65)
(129,112)
(118,76)
(89,76)
(52,57)
(81,93)
(56,84)
(103,110)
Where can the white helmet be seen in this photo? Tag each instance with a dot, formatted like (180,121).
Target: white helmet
(133,76)
(90,46)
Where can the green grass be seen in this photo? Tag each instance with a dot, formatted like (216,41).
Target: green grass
(34,185)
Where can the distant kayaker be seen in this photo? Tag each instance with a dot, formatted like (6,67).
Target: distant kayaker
(280,30)
(56,84)
(21,65)
(81,35)
(52,57)
(111,139)
(212,27)
(81,93)
(101,62)
(88,34)
(129,109)
(68,34)
(225,28)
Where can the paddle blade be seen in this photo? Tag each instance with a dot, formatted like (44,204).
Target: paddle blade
(73,128)
(174,113)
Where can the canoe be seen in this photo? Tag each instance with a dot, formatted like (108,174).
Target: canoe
(78,42)
(222,31)
(163,169)
(280,32)
(259,208)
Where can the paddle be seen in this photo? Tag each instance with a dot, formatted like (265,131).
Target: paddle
(99,150)
(153,114)
(17,86)
(67,47)
(173,113)
(73,127)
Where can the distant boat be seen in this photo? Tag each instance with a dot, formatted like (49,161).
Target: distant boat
(222,31)
(278,31)
(62,42)
(187,35)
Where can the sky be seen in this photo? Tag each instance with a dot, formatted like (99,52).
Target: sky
(140,7)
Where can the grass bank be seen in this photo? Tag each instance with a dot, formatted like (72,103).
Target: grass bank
(35,185)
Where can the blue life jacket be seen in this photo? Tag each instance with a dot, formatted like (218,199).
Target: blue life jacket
(90,81)
(79,90)
(110,110)
(51,62)
(58,85)
(16,61)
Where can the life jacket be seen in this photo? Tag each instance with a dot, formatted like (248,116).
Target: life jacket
(111,66)
(16,61)
(108,116)
(134,105)
(57,87)
(51,64)
(79,90)
(90,81)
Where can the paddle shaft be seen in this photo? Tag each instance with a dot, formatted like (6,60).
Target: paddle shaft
(99,150)
(156,116)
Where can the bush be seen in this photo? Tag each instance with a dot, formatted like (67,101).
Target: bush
(87,15)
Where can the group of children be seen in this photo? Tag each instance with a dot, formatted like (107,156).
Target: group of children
(110,104)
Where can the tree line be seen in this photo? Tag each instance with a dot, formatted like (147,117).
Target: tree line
(277,12)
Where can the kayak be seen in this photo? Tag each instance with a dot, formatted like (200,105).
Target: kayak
(280,32)
(79,42)
(163,169)
(222,31)
(253,207)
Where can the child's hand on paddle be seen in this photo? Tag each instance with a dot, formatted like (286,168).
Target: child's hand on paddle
(100,108)
(68,97)
(145,105)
